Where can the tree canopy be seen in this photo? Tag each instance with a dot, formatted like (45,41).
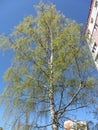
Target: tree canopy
(48,76)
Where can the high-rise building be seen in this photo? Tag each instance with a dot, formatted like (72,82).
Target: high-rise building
(92,30)
(75,125)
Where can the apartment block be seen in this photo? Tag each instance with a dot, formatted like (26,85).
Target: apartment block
(92,30)
(75,125)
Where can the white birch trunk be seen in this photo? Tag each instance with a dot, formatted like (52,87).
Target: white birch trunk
(51,92)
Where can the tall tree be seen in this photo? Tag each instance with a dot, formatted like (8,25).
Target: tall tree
(49,70)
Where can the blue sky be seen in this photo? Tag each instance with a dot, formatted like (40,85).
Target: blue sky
(12,12)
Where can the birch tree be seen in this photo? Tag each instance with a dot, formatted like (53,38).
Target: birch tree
(49,70)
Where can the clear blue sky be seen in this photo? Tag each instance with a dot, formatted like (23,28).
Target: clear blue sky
(12,12)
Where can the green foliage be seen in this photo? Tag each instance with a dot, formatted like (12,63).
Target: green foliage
(34,43)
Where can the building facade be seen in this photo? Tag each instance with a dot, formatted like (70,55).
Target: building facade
(92,30)
(75,125)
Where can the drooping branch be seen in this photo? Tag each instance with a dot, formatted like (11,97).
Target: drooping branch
(37,126)
(62,110)
(62,93)
(83,106)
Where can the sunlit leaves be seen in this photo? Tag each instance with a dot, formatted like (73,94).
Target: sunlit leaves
(32,43)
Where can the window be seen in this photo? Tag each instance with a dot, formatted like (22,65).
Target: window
(94,47)
(92,20)
(95,26)
(88,31)
(96,3)
(96,59)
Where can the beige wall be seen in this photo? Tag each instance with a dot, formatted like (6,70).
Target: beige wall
(75,125)
(92,31)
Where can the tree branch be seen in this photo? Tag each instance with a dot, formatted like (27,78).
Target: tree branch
(62,110)
(77,108)
(61,98)
(42,126)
